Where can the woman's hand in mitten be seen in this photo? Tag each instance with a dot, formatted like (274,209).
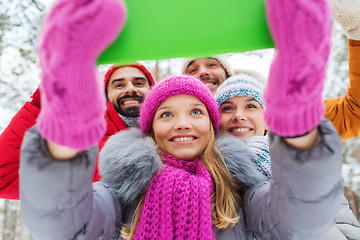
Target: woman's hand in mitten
(73,35)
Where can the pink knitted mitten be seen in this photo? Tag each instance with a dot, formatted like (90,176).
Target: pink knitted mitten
(74,34)
(301,30)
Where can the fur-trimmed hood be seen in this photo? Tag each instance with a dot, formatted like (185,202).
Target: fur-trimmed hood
(128,162)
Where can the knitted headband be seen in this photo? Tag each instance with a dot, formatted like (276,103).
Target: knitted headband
(139,66)
(221,59)
(242,84)
(174,86)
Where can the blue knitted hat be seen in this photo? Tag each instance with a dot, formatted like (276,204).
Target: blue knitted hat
(242,84)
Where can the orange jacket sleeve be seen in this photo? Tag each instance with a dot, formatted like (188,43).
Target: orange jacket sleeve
(344,112)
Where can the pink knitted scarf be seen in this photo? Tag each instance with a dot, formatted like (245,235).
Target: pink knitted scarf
(178,202)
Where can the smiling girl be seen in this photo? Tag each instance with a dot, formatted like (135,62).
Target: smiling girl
(241,105)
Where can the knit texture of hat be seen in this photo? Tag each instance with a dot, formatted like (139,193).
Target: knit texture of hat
(72,37)
(346,12)
(301,30)
(241,84)
(174,86)
(221,59)
(139,66)
(259,146)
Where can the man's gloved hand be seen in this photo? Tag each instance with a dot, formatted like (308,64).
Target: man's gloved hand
(347,14)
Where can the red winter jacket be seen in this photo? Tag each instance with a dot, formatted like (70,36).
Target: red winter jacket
(10,143)
(11,139)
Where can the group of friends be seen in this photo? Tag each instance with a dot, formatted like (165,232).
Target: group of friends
(209,154)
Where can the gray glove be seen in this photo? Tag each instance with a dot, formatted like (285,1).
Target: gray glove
(347,13)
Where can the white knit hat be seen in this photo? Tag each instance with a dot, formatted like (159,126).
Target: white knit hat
(220,58)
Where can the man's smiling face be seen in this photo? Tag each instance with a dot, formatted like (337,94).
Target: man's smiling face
(208,70)
(126,89)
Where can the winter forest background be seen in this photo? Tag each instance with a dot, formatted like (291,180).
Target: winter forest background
(19,77)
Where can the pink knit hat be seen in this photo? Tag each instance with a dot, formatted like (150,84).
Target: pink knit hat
(174,86)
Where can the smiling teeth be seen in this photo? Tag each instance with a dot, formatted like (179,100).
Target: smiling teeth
(131,102)
(183,139)
(241,129)
(209,84)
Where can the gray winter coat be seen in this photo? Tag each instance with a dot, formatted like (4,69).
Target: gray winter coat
(59,200)
(347,226)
